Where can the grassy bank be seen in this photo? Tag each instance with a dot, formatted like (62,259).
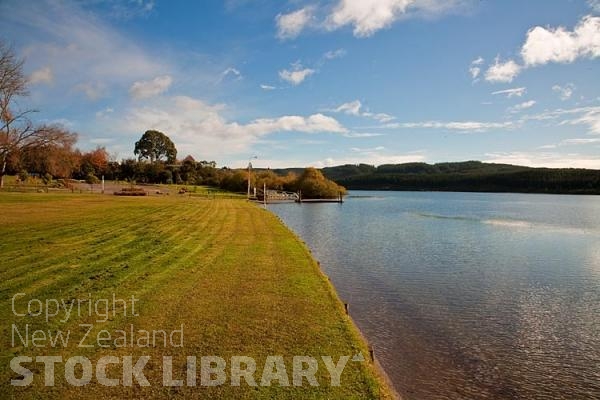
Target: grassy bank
(239,282)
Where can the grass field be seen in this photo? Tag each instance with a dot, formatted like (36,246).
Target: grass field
(238,280)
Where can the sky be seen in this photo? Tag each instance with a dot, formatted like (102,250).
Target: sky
(320,82)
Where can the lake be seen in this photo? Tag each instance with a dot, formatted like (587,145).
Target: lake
(467,295)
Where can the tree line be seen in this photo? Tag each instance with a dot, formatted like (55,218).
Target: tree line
(469,176)
(48,152)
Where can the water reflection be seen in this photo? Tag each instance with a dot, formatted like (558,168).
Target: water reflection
(468,295)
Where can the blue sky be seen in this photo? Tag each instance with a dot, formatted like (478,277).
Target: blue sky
(320,82)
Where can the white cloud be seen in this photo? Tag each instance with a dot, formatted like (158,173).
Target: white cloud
(199,128)
(460,126)
(522,106)
(289,26)
(93,90)
(267,87)
(589,116)
(374,157)
(355,107)
(564,92)
(518,92)
(545,45)
(105,112)
(478,61)
(572,142)
(368,16)
(351,108)
(576,141)
(78,47)
(333,54)
(367,150)
(296,75)
(42,75)
(146,89)
(502,71)
(233,72)
(361,135)
(475,68)
(381,117)
(545,159)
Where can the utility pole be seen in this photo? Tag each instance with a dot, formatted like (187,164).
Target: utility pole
(249,171)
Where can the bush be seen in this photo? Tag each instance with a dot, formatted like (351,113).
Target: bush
(314,185)
(23,176)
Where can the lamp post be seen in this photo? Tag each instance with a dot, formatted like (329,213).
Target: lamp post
(249,169)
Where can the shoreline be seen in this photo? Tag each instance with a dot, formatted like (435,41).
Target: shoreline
(241,281)
(380,372)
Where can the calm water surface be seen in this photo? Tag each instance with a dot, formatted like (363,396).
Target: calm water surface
(467,295)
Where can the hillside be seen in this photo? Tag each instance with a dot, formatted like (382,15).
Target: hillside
(468,176)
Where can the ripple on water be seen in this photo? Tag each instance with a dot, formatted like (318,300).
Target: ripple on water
(476,296)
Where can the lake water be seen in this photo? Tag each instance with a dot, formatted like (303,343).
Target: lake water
(467,295)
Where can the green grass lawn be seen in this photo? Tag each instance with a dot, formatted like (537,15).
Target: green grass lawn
(238,280)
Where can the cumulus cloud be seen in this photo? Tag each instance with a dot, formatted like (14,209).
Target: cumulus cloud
(296,75)
(200,127)
(146,89)
(502,71)
(515,92)
(289,26)
(365,16)
(564,92)
(521,106)
(369,16)
(545,45)
(551,45)
(42,75)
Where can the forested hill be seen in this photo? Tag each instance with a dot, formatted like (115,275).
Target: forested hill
(469,176)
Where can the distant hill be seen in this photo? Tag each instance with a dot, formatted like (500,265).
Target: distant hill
(468,176)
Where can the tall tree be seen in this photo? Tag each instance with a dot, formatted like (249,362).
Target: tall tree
(155,146)
(59,158)
(17,132)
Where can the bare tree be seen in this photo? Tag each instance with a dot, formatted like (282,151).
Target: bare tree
(17,132)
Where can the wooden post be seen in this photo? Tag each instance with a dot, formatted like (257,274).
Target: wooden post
(372,353)
(265,194)
(346,307)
